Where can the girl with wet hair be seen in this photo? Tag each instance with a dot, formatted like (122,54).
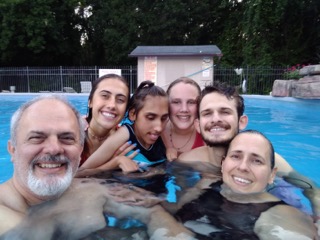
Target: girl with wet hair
(148,110)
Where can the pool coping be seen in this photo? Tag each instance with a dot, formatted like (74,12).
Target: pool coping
(286,99)
(42,93)
(264,97)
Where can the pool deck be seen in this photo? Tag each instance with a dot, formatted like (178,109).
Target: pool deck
(268,97)
(286,99)
(264,97)
(41,93)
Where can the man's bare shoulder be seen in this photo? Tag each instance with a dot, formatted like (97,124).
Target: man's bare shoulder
(9,196)
(11,208)
(197,154)
(2,190)
(9,218)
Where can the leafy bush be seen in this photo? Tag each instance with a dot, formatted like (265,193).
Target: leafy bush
(293,72)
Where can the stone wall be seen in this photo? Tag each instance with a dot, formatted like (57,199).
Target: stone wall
(307,87)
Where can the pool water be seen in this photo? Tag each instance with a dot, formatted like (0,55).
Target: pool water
(293,127)
(291,124)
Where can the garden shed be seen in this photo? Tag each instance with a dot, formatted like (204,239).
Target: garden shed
(163,64)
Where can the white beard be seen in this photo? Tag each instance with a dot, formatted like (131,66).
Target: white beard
(51,185)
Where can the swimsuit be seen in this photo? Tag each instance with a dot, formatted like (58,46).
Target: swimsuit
(155,153)
(212,216)
(154,156)
(198,142)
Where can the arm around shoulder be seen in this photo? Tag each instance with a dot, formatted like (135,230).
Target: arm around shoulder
(282,165)
(310,189)
(105,152)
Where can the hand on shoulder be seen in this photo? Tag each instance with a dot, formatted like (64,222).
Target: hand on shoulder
(171,154)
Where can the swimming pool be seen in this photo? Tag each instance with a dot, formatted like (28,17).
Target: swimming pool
(293,127)
(291,124)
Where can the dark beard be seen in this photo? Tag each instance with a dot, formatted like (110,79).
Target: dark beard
(218,143)
(224,143)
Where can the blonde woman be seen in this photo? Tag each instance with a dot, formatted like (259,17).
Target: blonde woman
(180,134)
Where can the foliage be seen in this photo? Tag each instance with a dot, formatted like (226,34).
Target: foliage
(293,72)
(249,32)
(39,32)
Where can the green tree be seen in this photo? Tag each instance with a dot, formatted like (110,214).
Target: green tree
(104,32)
(282,32)
(38,32)
(230,34)
(116,27)
(111,32)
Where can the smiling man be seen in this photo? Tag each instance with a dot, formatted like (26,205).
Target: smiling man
(47,138)
(220,119)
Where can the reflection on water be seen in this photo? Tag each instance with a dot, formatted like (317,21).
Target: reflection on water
(160,182)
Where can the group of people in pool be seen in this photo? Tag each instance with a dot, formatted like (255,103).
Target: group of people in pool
(148,109)
(185,126)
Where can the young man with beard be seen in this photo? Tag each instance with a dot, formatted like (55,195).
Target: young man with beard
(221,117)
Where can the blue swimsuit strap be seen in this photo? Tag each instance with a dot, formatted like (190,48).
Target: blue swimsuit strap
(141,158)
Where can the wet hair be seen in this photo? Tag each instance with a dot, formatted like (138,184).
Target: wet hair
(146,88)
(229,92)
(16,117)
(185,80)
(95,85)
(271,149)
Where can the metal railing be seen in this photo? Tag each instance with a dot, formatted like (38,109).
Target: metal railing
(259,80)
(56,79)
